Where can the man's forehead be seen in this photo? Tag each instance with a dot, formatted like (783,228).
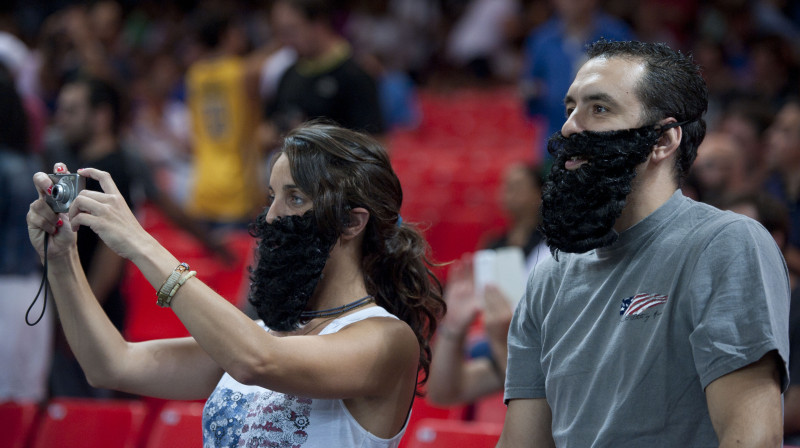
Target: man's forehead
(608,77)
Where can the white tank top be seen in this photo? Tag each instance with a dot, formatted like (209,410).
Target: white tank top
(239,415)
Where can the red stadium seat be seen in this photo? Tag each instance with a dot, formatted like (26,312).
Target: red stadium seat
(454,434)
(490,409)
(179,425)
(90,423)
(423,410)
(17,419)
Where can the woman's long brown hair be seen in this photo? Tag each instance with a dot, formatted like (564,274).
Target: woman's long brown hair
(341,169)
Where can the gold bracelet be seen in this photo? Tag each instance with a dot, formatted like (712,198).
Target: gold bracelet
(180,283)
(163,294)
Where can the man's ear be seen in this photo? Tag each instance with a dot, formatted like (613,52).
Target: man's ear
(668,143)
(358,221)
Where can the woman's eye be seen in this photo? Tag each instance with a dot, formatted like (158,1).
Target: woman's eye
(297,200)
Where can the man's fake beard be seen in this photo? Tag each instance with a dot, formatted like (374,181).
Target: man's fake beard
(291,254)
(580,207)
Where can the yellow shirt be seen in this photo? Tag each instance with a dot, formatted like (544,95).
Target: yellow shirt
(226,158)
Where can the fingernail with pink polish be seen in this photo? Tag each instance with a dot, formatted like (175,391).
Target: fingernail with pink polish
(60,169)
(50,190)
(59,223)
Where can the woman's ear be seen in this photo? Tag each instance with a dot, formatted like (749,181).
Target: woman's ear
(668,143)
(358,221)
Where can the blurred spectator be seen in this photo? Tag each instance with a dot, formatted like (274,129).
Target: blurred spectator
(461,374)
(88,122)
(478,41)
(746,120)
(772,71)
(783,160)
(380,43)
(161,129)
(82,40)
(775,218)
(455,379)
(26,350)
(553,54)
(719,170)
(223,105)
(325,81)
(719,76)
(21,63)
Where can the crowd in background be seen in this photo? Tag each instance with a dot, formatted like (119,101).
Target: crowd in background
(749,51)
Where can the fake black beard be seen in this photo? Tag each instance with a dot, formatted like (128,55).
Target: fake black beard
(580,207)
(291,254)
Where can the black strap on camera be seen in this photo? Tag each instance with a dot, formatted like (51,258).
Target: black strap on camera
(44,285)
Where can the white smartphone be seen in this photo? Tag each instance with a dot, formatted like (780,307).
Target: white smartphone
(505,268)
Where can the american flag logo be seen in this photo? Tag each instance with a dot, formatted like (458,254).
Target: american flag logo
(639,303)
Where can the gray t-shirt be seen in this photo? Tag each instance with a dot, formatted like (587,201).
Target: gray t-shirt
(623,340)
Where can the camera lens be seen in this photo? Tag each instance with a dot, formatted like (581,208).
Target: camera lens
(61,192)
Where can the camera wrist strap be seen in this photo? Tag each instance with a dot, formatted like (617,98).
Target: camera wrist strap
(44,285)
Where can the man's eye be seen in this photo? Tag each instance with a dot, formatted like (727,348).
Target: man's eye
(297,200)
(569,111)
(270,199)
(598,109)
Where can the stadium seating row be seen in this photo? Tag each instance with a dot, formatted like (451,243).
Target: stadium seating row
(100,423)
(177,424)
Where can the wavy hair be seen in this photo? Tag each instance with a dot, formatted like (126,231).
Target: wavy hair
(342,169)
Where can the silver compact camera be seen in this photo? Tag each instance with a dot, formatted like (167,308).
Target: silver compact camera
(65,189)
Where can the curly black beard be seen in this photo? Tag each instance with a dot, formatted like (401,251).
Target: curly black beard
(580,207)
(290,257)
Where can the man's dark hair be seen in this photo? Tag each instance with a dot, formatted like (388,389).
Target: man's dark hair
(14,132)
(670,87)
(211,25)
(103,93)
(313,10)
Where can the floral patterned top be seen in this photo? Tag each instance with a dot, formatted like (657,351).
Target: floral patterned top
(237,415)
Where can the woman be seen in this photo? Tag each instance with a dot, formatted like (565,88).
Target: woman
(336,363)
(455,380)
(30,348)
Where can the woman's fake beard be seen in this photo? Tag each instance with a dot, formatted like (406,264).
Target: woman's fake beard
(291,254)
(580,207)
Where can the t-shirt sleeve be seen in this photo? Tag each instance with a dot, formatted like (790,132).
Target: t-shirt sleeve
(740,302)
(524,375)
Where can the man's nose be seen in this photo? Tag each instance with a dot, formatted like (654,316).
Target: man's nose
(571,126)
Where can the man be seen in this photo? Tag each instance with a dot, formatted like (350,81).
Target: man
(222,94)
(553,53)
(660,321)
(720,170)
(325,81)
(88,120)
(783,160)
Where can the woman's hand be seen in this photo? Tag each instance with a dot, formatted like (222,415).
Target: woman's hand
(497,314)
(459,294)
(107,214)
(42,220)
